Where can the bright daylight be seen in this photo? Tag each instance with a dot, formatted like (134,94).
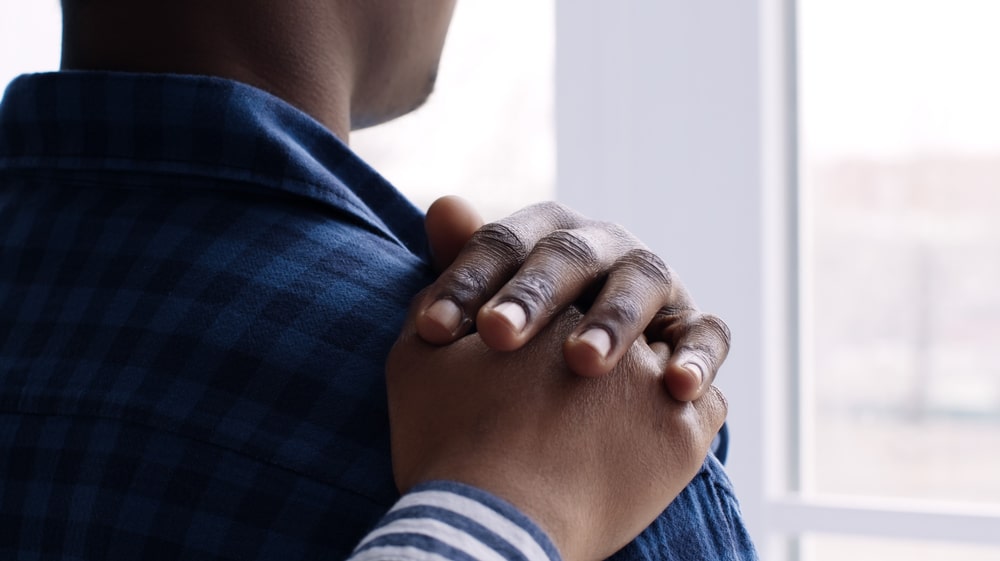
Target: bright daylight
(824,176)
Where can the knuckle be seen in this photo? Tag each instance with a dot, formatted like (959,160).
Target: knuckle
(715,408)
(676,314)
(702,419)
(535,289)
(717,328)
(621,309)
(556,212)
(685,433)
(499,241)
(619,232)
(649,265)
(572,247)
(719,400)
(466,283)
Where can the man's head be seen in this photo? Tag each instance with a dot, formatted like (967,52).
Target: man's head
(349,63)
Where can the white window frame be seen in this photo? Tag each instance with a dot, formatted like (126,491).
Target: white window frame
(678,119)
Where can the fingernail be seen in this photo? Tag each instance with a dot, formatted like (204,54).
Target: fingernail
(598,339)
(446,313)
(514,314)
(695,369)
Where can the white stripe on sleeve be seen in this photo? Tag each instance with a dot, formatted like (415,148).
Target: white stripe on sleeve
(471,508)
(396,553)
(440,531)
(405,536)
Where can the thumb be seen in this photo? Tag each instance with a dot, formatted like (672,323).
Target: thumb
(450,222)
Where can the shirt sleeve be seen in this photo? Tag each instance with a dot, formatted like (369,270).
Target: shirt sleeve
(448,521)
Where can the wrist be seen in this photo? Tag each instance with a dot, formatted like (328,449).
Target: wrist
(554,514)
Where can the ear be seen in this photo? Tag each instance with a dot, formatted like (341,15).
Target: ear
(450,223)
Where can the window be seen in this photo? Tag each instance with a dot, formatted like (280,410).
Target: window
(487,133)
(29,38)
(900,183)
(900,196)
(827,547)
(825,176)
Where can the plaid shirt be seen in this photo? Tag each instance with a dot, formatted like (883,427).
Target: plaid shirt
(198,287)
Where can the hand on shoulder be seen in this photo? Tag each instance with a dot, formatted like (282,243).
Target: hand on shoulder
(593,460)
(510,278)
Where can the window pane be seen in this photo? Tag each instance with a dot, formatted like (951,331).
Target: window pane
(30,38)
(488,131)
(817,547)
(900,192)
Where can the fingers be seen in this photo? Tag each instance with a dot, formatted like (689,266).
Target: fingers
(699,419)
(450,223)
(489,259)
(562,265)
(564,257)
(712,407)
(700,344)
(639,285)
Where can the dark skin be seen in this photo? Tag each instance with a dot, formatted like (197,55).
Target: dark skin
(635,420)
(593,460)
(348,64)
(628,290)
(353,64)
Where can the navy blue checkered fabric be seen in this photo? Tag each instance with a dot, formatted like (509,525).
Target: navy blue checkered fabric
(198,288)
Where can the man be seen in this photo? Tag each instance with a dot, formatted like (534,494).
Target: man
(199,285)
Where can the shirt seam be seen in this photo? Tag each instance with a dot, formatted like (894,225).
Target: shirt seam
(204,171)
(309,190)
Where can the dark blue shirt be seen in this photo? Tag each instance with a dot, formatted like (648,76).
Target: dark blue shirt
(198,288)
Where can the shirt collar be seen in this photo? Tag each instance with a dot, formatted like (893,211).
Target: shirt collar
(196,126)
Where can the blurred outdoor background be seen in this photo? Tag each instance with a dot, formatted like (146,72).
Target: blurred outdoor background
(900,222)
(900,202)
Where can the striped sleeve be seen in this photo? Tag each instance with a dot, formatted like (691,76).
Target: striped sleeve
(448,521)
